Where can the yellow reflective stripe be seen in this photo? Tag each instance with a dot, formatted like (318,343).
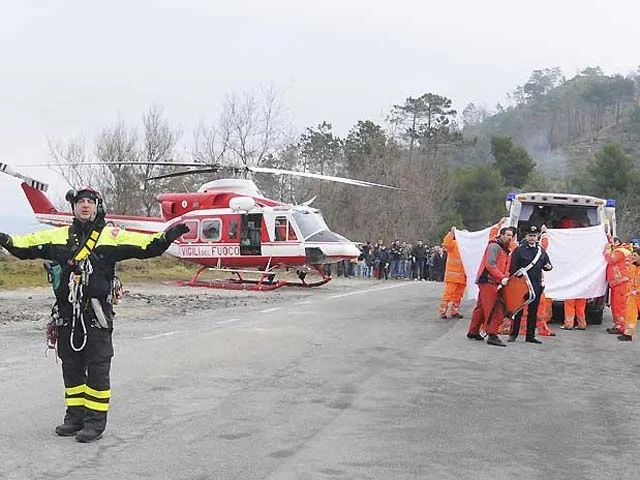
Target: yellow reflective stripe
(56,236)
(100,407)
(98,393)
(75,390)
(75,402)
(86,250)
(112,236)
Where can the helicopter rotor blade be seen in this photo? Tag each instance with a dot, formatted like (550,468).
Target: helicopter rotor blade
(32,182)
(212,168)
(183,173)
(350,181)
(161,164)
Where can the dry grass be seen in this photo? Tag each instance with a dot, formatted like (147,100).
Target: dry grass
(30,273)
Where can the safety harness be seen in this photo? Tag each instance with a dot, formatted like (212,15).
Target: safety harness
(78,281)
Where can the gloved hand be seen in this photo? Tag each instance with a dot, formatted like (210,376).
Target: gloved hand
(5,240)
(175,232)
(504,281)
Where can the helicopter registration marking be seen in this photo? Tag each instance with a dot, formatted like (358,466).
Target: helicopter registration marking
(207,251)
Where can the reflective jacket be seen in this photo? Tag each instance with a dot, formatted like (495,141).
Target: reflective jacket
(618,261)
(454,272)
(634,275)
(61,244)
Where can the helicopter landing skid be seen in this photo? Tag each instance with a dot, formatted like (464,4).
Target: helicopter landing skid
(267,281)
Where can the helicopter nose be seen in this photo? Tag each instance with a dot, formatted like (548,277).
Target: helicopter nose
(332,252)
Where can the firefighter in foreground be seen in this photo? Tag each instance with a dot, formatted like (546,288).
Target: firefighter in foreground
(455,280)
(86,253)
(529,258)
(493,274)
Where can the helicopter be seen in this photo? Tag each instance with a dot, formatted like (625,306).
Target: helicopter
(233,228)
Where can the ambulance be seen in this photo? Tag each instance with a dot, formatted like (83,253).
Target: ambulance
(563,210)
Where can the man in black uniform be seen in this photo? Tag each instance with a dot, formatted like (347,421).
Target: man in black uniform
(531,259)
(86,253)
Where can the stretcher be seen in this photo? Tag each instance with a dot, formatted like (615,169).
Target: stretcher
(517,294)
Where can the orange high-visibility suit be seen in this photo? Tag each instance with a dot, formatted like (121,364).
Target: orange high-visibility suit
(545,310)
(633,301)
(455,280)
(575,310)
(493,268)
(618,261)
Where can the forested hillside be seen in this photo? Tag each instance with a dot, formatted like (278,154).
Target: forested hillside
(579,134)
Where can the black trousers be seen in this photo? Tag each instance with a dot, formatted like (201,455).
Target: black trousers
(86,375)
(532,318)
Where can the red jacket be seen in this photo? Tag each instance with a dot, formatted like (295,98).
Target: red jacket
(495,263)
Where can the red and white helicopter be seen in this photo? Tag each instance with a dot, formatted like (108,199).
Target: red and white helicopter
(233,228)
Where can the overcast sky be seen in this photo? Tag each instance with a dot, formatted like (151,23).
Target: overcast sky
(69,68)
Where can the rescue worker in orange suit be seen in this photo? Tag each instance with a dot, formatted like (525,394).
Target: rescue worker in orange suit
(86,253)
(545,310)
(492,275)
(455,280)
(529,258)
(575,311)
(618,260)
(633,299)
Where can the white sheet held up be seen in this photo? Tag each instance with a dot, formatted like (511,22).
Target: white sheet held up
(471,246)
(576,254)
(579,268)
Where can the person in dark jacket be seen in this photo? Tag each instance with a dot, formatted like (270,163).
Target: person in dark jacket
(439,262)
(86,254)
(419,254)
(382,262)
(529,258)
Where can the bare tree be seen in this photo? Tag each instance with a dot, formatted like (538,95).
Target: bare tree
(116,147)
(68,158)
(211,142)
(159,146)
(255,124)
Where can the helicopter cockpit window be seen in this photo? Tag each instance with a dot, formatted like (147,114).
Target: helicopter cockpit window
(192,234)
(233,229)
(309,222)
(284,230)
(211,230)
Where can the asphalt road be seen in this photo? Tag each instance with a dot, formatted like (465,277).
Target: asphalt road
(364,382)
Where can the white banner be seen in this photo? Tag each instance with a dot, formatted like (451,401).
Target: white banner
(471,246)
(579,268)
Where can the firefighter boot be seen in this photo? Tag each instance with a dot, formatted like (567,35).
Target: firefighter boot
(94,424)
(88,434)
(68,429)
(73,422)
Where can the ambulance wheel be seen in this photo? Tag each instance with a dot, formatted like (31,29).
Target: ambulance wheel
(595,317)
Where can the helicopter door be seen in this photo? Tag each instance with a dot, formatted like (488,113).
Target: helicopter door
(251,225)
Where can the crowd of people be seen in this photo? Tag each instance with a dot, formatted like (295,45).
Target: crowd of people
(400,260)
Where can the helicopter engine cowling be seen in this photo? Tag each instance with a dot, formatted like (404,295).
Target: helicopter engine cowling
(242,204)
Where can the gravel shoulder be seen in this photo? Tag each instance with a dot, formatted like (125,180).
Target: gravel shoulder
(27,309)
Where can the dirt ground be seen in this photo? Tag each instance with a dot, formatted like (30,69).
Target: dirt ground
(28,309)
